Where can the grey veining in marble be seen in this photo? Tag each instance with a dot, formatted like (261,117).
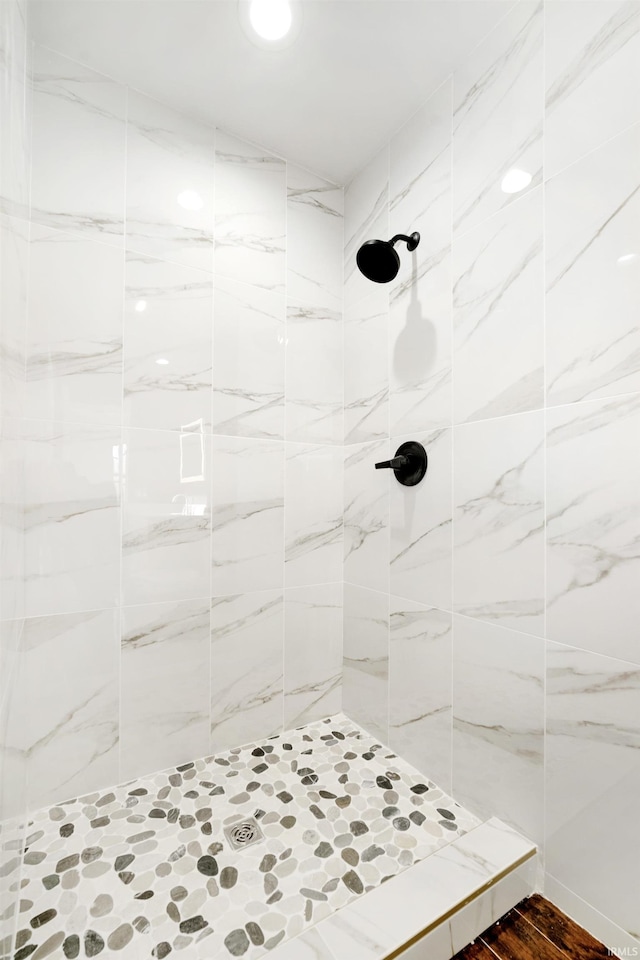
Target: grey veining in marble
(247,638)
(498,537)
(593,553)
(78,144)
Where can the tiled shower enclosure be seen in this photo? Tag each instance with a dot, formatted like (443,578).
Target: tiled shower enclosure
(215,612)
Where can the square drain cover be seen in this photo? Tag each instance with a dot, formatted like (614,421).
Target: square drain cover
(243,833)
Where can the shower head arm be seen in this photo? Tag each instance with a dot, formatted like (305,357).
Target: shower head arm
(411,242)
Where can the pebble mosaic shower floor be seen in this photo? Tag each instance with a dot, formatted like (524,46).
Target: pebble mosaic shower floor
(145,869)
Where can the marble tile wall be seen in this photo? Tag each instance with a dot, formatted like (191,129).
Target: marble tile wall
(14,267)
(491,612)
(175,447)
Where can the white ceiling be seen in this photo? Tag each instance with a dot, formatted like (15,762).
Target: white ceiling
(356,71)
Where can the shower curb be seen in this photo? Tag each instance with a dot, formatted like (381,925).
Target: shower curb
(433,909)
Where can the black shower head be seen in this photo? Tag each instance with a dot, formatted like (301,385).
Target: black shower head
(378,260)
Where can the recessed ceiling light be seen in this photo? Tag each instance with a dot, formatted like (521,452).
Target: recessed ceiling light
(190,200)
(271,19)
(515,180)
(162,361)
(627,257)
(141,306)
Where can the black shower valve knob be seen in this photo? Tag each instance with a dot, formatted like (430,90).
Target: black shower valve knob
(409,464)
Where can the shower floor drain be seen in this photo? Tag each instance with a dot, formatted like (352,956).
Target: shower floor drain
(243,834)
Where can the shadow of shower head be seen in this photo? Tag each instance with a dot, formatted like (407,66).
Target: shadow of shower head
(378,260)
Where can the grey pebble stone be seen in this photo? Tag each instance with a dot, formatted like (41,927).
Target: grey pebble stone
(93,943)
(172,912)
(270,883)
(120,937)
(193,924)
(323,850)
(102,905)
(91,853)
(371,853)
(274,941)
(353,882)
(351,856)
(71,947)
(237,943)
(358,827)
(255,933)
(267,863)
(228,878)
(240,798)
(313,894)
(401,823)
(208,866)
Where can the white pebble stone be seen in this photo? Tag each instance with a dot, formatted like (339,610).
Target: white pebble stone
(272,922)
(405,840)
(192,904)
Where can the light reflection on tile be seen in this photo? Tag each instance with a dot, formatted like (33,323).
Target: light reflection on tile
(170,164)
(167,355)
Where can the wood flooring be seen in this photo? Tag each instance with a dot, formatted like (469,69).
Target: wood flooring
(535,930)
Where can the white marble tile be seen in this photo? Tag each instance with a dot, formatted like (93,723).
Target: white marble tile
(420,653)
(248,360)
(366,516)
(421,345)
(491,906)
(312,653)
(366,217)
(12,519)
(170,173)
(250,213)
(592,76)
(593,274)
(247,642)
(498,314)
(15,111)
(420,517)
(593,559)
(365,671)
(366,367)
(315,229)
(314,377)
(78,169)
(498,724)
(14,269)
(247,515)
(420,179)
(74,354)
(166,516)
(72,517)
(498,113)
(13,760)
(313,516)
(593,779)
(164,686)
(167,344)
(499,521)
(68,707)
